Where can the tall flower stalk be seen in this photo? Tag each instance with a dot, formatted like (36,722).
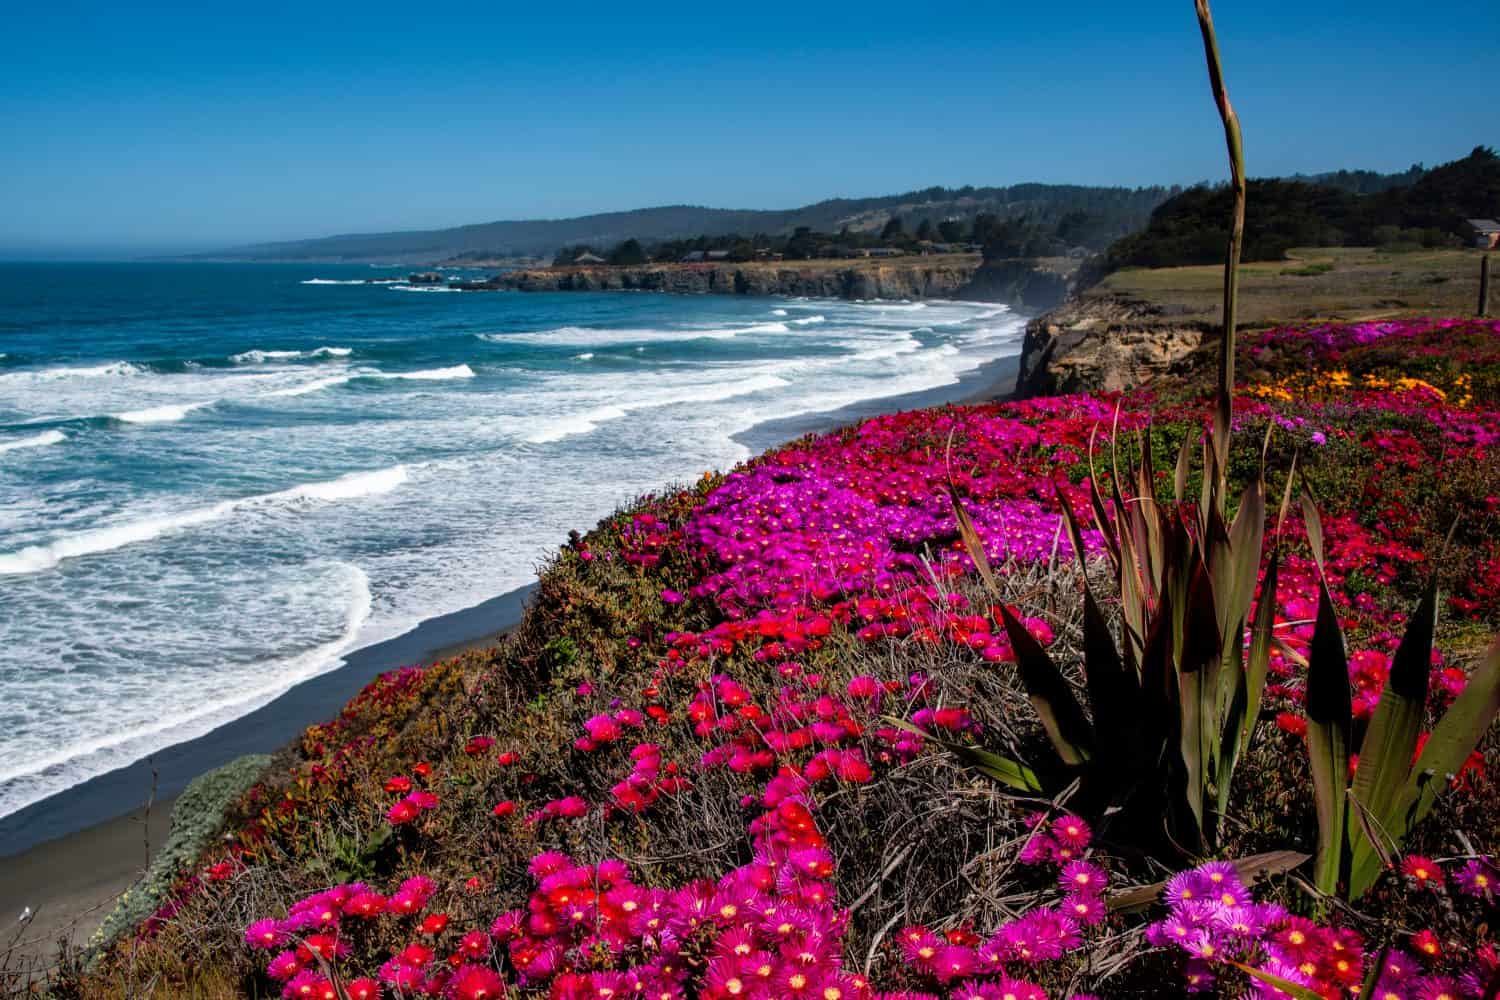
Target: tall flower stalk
(1235,142)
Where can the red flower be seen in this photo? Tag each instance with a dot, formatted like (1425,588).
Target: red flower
(478,745)
(399,785)
(504,808)
(363,989)
(402,812)
(1290,722)
(434,923)
(1426,943)
(476,982)
(1424,871)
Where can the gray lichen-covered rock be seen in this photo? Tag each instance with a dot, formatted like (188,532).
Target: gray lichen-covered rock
(1104,343)
(197,815)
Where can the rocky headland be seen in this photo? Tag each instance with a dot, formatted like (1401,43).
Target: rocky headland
(1106,343)
(1030,284)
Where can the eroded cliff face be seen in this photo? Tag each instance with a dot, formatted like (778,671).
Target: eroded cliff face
(901,280)
(1024,283)
(1105,343)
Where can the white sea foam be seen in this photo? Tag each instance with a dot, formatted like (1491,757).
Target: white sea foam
(431,374)
(589,420)
(585,356)
(166,414)
(778,312)
(576,423)
(587,336)
(35,441)
(809,320)
(906,344)
(350,487)
(421,288)
(115,369)
(335,281)
(76,762)
(257,356)
(36,558)
(313,386)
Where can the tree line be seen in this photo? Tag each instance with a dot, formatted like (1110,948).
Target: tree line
(1030,234)
(1345,209)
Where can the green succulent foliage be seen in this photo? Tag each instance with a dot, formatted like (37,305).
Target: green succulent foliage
(356,858)
(1363,824)
(1172,705)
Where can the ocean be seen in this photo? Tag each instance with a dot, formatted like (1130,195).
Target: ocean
(217,480)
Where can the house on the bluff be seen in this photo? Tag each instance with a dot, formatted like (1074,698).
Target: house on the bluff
(1486,233)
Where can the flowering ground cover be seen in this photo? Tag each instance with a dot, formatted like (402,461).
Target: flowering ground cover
(715,760)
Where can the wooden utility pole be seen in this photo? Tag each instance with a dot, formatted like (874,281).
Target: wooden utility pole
(1484,285)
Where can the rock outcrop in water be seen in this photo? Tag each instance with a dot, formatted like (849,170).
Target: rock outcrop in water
(1105,343)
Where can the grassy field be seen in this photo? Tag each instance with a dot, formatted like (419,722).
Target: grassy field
(1349,283)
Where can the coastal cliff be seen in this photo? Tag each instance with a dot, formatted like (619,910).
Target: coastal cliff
(1023,283)
(915,279)
(1108,343)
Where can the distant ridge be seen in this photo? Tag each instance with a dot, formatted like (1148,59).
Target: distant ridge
(1120,210)
(1131,206)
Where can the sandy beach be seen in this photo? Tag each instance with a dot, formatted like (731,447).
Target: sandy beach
(70,856)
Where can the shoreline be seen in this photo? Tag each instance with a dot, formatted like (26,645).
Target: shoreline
(270,727)
(77,850)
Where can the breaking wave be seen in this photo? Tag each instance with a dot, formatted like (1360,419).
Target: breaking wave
(35,441)
(36,558)
(257,357)
(167,414)
(589,420)
(115,369)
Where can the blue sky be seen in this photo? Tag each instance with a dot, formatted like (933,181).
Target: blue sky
(149,127)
